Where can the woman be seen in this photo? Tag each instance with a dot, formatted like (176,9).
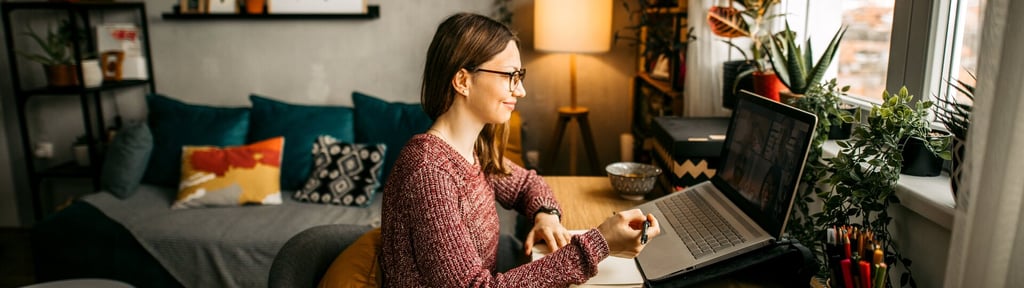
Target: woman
(440,224)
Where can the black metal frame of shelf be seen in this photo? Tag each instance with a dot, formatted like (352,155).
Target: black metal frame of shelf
(75,11)
(372,12)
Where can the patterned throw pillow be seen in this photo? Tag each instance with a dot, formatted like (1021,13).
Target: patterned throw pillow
(343,173)
(231,176)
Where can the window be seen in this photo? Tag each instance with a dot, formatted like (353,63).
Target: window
(963,59)
(864,53)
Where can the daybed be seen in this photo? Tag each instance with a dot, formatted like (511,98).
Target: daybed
(129,231)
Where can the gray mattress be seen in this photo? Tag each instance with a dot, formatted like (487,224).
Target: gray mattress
(220,247)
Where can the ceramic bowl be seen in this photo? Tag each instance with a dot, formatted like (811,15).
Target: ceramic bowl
(632,180)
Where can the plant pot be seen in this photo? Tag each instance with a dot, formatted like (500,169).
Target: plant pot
(731,69)
(61,75)
(788,98)
(92,74)
(956,173)
(767,84)
(81,153)
(254,6)
(917,160)
(840,130)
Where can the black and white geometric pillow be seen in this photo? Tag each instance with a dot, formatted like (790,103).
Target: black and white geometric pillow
(343,173)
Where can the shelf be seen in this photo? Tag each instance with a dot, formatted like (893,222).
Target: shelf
(372,12)
(10,6)
(75,90)
(662,85)
(68,169)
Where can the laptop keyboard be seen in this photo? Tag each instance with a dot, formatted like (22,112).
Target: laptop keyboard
(700,226)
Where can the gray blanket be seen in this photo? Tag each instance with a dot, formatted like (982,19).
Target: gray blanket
(220,247)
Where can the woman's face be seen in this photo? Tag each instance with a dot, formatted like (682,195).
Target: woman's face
(489,96)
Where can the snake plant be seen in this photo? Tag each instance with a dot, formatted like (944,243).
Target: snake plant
(794,64)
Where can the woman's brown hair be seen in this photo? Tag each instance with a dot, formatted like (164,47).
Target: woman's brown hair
(466,40)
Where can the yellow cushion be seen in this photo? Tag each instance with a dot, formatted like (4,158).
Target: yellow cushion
(356,266)
(514,148)
(230,176)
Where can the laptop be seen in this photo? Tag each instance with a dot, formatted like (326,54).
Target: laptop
(745,205)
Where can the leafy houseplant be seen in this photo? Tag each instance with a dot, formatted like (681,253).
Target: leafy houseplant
(751,22)
(823,101)
(955,115)
(793,64)
(863,175)
(56,57)
(656,31)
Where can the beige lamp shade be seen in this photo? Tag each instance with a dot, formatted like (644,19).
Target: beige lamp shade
(575,26)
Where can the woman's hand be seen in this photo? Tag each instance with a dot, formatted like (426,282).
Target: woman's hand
(547,228)
(622,232)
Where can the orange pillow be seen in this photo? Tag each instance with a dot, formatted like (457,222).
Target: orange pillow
(230,176)
(357,266)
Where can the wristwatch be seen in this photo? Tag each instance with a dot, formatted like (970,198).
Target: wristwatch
(549,210)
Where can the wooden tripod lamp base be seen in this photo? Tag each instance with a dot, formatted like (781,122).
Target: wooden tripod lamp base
(566,114)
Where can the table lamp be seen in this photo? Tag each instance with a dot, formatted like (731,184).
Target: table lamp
(573,26)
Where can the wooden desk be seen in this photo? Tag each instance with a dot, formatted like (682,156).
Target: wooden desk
(586,200)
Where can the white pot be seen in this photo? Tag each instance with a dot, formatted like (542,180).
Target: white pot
(81,153)
(92,73)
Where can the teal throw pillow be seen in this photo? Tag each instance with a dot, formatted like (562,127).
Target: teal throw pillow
(175,124)
(379,121)
(126,160)
(300,125)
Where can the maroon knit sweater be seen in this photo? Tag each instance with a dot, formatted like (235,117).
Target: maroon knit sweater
(440,224)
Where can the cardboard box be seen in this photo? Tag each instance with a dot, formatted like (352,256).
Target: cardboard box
(316,7)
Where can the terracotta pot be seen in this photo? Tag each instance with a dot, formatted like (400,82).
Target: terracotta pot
(767,84)
(61,75)
(254,6)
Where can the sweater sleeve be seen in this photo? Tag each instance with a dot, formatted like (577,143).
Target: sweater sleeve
(443,249)
(522,190)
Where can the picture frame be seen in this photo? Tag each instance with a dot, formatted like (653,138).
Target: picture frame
(222,6)
(188,6)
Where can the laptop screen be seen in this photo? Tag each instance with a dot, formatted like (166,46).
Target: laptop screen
(763,157)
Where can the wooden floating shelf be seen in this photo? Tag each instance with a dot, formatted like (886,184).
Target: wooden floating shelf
(372,12)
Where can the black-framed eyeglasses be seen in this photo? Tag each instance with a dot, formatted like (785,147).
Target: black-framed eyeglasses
(514,78)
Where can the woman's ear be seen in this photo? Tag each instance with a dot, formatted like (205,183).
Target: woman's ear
(461,82)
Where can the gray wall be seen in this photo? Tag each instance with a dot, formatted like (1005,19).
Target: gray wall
(320,62)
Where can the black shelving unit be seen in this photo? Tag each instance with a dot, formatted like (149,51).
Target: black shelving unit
(372,12)
(90,97)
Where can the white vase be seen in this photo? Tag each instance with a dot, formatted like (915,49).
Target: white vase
(92,73)
(81,153)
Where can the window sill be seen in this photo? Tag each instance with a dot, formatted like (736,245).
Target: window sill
(930,197)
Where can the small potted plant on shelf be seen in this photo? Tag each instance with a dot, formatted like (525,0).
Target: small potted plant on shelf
(793,63)
(726,20)
(862,176)
(57,57)
(656,30)
(955,115)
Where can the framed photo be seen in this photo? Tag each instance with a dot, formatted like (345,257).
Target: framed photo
(223,6)
(188,6)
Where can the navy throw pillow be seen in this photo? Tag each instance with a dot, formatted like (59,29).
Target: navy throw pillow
(379,121)
(345,173)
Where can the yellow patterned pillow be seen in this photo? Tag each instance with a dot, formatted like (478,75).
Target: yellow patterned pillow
(230,176)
